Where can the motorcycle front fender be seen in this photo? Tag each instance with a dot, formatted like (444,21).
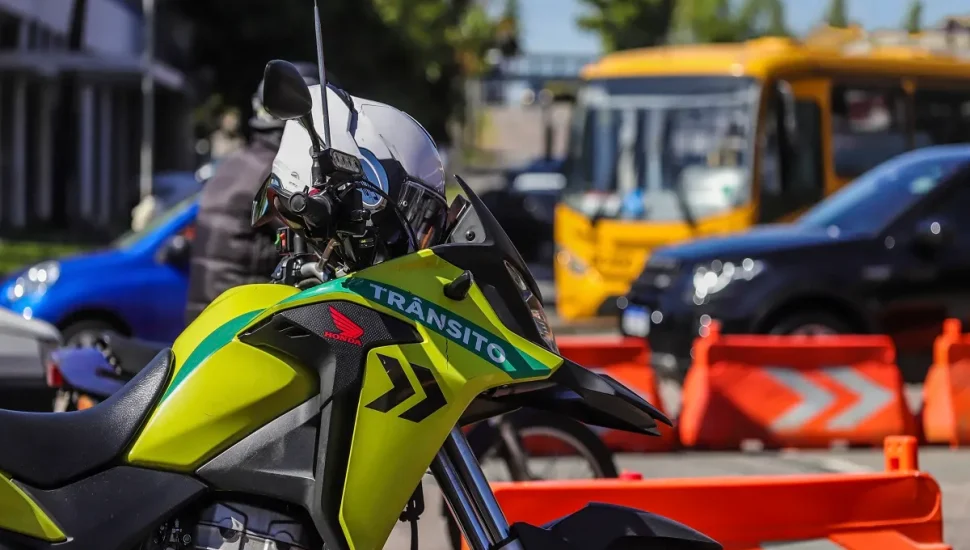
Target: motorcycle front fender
(600,526)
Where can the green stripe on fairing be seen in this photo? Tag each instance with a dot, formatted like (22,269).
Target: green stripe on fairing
(209,345)
(517,364)
(324,288)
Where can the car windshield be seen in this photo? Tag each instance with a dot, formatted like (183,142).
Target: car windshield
(653,148)
(130,238)
(877,197)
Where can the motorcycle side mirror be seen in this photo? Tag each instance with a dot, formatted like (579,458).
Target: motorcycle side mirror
(286,95)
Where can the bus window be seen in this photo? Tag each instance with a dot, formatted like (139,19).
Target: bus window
(868,127)
(661,149)
(807,184)
(942,116)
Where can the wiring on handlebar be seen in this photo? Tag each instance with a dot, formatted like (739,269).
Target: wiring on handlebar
(412,238)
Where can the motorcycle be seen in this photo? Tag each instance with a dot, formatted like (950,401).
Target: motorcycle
(83,376)
(308,417)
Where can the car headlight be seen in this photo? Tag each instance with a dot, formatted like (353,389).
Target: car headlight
(35,281)
(535,308)
(716,276)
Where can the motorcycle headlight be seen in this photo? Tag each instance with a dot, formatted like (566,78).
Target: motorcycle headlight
(35,281)
(535,308)
(716,276)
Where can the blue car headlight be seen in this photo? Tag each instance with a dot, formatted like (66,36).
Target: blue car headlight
(34,281)
(713,278)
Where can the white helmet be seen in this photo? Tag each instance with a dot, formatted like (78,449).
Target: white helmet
(397,154)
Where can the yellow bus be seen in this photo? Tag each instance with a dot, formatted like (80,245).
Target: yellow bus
(676,142)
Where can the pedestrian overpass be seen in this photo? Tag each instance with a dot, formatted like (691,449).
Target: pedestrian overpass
(534,71)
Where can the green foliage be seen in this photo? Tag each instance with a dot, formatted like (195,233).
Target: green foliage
(626,24)
(836,14)
(914,17)
(776,19)
(16,255)
(412,54)
(507,32)
(718,20)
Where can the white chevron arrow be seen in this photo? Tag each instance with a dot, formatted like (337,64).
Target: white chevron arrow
(814,399)
(809,544)
(872,398)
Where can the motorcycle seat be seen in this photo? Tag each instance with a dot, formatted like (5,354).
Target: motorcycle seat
(47,450)
(131,354)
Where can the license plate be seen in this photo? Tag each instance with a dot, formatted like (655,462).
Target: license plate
(636,321)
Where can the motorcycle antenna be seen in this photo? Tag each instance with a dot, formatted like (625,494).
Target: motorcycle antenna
(318,28)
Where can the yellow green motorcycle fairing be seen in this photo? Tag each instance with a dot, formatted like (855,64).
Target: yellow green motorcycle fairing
(325,407)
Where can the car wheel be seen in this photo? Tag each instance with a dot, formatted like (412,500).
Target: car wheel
(84,333)
(811,323)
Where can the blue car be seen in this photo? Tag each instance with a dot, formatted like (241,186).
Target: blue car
(136,286)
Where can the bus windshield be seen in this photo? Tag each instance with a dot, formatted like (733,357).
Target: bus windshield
(661,148)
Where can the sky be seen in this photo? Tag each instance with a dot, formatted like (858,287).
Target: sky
(549,25)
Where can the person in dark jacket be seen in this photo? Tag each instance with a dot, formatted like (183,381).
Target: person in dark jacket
(227,251)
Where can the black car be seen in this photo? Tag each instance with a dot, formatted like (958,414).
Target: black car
(889,253)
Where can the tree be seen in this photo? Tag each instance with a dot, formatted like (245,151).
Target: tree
(626,24)
(836,15)
(507,33)
(776,19)
(411,54)
(718,21)
(914,17)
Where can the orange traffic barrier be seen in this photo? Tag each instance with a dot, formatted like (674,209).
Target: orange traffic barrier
(601,350)
(627,360)
(792,391)
(946,392)
(639,377)
(900,508)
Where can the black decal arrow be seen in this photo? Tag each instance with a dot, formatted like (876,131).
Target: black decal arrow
(433,398)
(400,391)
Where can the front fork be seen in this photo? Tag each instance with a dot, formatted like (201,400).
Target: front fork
(469,495)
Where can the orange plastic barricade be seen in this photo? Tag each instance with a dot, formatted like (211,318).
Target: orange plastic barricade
(792,391)
(601,350)
(627,360)
(639,377)
(946,392)
(897,509)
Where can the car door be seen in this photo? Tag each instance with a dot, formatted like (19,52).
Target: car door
(930,269)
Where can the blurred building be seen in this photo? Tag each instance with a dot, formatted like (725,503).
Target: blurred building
(70,111)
